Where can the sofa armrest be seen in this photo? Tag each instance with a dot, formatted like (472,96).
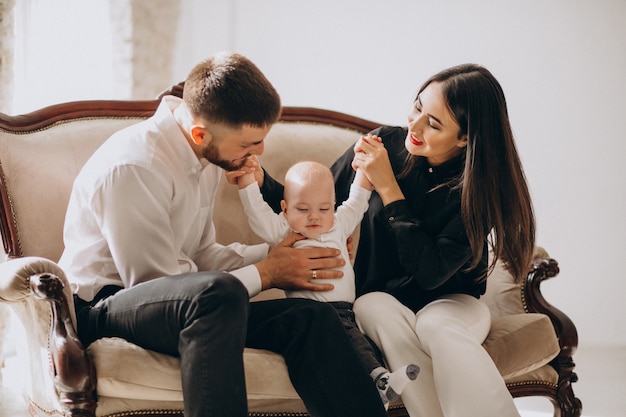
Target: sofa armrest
(38,291)
(534,302)
(15,276)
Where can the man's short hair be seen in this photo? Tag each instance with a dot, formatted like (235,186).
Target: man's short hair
(228,88)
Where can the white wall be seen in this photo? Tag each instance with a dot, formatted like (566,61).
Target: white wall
(561,63)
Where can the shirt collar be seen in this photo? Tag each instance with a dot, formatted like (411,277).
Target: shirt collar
(164,117)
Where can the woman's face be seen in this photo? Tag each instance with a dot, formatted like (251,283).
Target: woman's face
(433,131)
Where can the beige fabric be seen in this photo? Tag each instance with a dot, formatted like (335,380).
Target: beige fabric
(503,296)
(123,407)
(129,372)
(546,375)
(40,169)
(154,375)
(286,144)
(532,334)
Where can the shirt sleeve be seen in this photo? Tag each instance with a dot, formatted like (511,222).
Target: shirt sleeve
(269,226)
(237,259)
(350,213)
(136,209)
(250,278)
(132,211)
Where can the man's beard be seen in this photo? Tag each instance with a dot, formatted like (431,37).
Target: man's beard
(212,154)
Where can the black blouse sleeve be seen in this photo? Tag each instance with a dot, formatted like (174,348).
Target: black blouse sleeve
(343,175)
(272,191)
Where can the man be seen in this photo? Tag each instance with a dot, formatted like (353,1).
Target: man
(141,255)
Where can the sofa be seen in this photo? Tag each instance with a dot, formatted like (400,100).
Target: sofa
(531,342)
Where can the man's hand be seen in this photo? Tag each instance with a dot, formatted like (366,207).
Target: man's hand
(289,268)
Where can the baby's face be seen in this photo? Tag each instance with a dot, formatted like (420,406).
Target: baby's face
(310,208)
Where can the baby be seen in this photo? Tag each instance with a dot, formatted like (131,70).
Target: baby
(308,208)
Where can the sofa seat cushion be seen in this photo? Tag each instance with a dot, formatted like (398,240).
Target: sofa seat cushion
(129,372)
(521,343)
(546,376)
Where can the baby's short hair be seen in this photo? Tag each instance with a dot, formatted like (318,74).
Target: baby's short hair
(308,171)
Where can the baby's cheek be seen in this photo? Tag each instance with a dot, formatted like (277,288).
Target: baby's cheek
(329,222)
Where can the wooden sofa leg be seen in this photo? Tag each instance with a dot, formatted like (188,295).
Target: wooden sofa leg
(566,401)
(73,370)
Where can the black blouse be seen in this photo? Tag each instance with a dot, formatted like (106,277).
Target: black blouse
(415,249)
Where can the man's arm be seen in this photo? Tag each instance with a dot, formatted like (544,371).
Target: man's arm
(288,268)
(133,219)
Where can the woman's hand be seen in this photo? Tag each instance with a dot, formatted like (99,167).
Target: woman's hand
(370,156)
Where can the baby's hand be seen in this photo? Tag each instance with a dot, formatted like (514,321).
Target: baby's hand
(239,177)
(245,180)
(244,176)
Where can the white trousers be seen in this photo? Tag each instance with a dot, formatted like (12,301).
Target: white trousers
(457,376)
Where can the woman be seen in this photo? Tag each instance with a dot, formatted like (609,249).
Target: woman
(444,186)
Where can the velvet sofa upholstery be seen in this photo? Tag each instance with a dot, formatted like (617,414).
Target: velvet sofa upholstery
(531,342)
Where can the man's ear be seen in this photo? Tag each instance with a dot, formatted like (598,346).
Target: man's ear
(283,206)
(198,134)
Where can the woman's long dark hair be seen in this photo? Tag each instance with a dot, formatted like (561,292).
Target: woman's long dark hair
(494,193)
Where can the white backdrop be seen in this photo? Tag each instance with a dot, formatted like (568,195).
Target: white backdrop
(561,63)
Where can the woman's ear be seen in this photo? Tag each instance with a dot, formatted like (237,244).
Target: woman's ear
(198,134)
(462,143)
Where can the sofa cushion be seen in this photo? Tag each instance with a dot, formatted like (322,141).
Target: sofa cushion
(504,297)
(128,371)
(521,343)
(546,375)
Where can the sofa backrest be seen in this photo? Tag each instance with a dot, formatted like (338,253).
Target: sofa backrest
(286,144)
(38,168)
(42,152)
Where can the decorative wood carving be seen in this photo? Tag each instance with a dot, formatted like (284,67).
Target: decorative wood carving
(73,371)
(565,402)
